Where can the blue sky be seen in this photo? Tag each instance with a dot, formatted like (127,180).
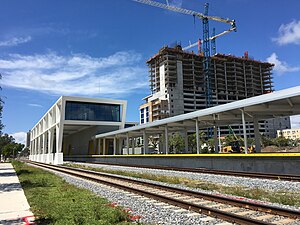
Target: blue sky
(99,48)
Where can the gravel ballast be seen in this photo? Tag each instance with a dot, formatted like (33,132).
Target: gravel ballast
(251,183)
(151,211)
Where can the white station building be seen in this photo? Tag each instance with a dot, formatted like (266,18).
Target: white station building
(69,125)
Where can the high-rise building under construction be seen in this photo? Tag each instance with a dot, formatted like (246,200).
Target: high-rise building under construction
(177,85)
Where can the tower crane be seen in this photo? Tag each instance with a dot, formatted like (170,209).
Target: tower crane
(206,39)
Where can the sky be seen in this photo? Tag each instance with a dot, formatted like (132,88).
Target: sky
(99,49)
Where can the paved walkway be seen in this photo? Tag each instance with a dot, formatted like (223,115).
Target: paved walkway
(14,208)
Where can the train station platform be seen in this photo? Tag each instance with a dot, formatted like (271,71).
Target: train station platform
(14,208)
(279,163)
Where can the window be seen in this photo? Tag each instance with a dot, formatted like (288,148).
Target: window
(92,111)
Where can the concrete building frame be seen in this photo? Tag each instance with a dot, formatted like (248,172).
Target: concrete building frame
(46,137)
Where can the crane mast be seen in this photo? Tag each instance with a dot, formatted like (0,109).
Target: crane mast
(206,38)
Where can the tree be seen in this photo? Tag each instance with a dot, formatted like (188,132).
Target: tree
(281,142)
(176,143)
(5,140)
(12,149)
(193,142)
(266,141)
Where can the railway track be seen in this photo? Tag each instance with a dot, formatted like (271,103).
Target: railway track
(285,177)
(232,210)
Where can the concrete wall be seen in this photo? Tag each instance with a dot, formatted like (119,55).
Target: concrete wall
(80,141)
(278,165)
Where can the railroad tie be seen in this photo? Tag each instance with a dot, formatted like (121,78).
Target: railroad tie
(264,217)
(285,221)
(230,209)
(216,205)
(245,212)
(207,219)
(224,223)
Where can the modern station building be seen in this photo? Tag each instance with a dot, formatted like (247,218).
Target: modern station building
(69,125)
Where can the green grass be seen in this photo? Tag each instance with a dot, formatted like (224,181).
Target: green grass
(54,201)
(286,197)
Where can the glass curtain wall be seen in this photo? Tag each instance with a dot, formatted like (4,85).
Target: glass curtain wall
(92,111)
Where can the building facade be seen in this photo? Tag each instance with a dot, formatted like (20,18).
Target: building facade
(289,133)
(69,125)
(177,84)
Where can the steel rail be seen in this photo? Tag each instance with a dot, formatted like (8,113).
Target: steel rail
(271,176)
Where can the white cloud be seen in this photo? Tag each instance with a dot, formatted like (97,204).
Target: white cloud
(295,121)
(15,41)
(20,137)
(75,74)
(288,33)
(35,105)
(281,66)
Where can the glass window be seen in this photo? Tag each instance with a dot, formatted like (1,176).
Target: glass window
(92,111)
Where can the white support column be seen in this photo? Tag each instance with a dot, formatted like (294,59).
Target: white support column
(39,150)
(127,143)
(60,115)
(120,151)
(197,137)
(219,134)
(104,146)
(244,132)
(43,156)
(166,139)
(133,145)
(216,143)
(145,139)
(115,145)
(50,146)
(256,135)
(99,146)
(186,141)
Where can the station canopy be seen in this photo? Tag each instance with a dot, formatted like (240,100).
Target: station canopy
(276,104)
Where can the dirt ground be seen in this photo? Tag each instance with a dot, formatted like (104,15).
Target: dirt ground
(280,149)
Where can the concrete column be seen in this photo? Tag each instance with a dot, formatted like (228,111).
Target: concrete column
(133,145)
(166,140)
(216,144)
(186,141)
(59,138)
(36,148)
(127,143)
(115,145)
(145,139)
(50,146)
(197,137)
(219,134)
(43,159)
(244,132)
(99,146)
(120,146)
(104,147)
(256,135)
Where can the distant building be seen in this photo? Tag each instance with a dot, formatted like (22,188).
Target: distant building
(177,85)
(289,133)
(69,125)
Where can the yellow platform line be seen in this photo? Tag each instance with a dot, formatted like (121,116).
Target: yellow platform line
(194,155)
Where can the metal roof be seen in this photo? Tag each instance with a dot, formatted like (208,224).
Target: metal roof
(277,104)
